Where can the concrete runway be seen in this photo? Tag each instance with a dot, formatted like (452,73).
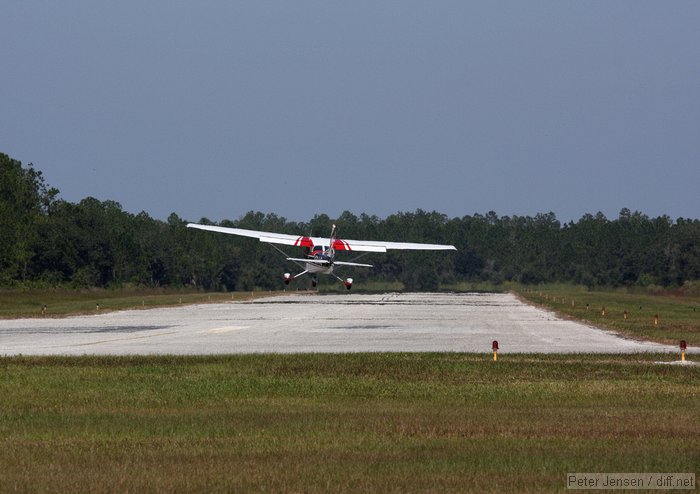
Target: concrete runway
(392,322)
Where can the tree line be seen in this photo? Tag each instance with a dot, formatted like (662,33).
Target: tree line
(47,241)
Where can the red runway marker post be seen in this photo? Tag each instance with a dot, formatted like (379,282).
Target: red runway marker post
(683,348)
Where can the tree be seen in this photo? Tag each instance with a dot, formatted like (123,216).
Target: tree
(24,202)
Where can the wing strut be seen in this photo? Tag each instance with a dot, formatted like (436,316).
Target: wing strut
(288,258)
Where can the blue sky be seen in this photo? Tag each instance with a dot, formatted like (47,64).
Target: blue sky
(212,109)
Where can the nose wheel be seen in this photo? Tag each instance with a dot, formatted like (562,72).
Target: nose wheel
(347,282)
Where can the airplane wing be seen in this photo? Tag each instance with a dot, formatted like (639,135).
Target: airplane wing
(380,246)
(338,244)
(356,264)
(273,238)
(320,262)
(323,262)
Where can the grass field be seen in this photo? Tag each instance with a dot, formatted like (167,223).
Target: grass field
(341,423)
(678,315)
(62,302)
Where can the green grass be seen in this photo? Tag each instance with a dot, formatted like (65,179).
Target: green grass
(341,423)
(63,302)
(678,314)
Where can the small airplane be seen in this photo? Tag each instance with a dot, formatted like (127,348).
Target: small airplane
(321,256)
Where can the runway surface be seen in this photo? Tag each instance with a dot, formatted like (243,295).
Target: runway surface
(319,323)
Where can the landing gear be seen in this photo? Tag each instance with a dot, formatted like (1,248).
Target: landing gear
(288,278)
(347,282)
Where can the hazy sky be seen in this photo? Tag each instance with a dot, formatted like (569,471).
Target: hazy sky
(217,108)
